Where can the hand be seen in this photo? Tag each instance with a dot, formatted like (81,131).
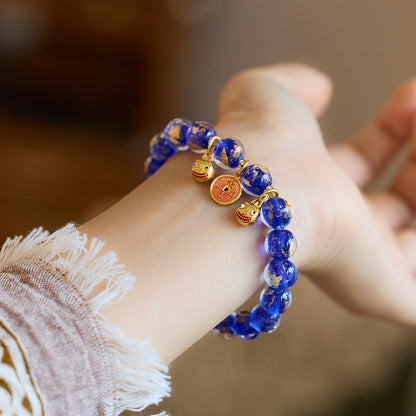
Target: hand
(360,248)
(194,264)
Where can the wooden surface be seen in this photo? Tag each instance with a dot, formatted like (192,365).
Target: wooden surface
(93,61)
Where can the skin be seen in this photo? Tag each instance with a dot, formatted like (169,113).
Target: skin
(194,264)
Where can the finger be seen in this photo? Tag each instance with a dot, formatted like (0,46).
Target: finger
(259,89)
(392,209)
(407,242)
(366,154)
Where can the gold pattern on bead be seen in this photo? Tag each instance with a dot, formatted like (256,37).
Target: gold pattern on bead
(174,134)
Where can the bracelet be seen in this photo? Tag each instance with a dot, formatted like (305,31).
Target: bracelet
(275,212)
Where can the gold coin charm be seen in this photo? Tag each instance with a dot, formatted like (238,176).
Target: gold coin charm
(226,189)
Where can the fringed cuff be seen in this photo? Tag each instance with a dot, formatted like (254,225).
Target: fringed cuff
(66,260)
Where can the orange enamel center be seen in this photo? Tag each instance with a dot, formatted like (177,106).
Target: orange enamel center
(226,189)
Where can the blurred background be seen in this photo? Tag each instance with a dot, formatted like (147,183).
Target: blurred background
(84,84)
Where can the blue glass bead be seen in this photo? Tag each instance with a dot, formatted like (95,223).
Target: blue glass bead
(241,326)
(151,166)
(225,327)
(255,179)
(280,274)
(274,300)
(198,136)
(280,244)
(160,148)
(276,213)
(228,153)
(264,321)
(175,132)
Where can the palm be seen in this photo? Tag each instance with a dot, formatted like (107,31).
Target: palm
(364,158)
(365,256)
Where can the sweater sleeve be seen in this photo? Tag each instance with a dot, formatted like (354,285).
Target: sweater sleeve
(58,354)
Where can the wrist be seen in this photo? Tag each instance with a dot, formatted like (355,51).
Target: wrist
(187,254)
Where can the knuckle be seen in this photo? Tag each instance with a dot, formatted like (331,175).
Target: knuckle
(258,81)
(256,92)
(246,77)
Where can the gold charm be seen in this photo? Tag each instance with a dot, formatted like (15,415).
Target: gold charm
(203,169)
(226,189)
(248,212)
